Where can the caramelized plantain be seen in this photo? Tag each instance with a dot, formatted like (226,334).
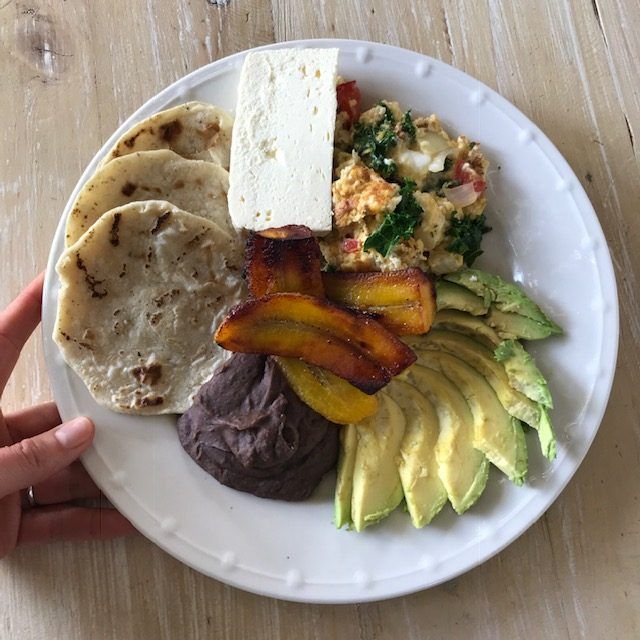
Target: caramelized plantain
(354,347)
(403,301)
(326,393)
(287,264)
(288,232)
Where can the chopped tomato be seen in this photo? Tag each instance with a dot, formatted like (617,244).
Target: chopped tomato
(349,99)
(464,173)
(350,245)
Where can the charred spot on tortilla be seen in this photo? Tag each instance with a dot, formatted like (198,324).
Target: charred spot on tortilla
(160,221)
(115,240)
(92,283)
(128,188)
(148,374)
(149,401)
(129,142)
(80,343)
(171,130)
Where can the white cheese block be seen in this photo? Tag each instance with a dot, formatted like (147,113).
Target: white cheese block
(282,142)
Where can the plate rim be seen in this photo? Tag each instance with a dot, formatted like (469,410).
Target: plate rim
(608,356)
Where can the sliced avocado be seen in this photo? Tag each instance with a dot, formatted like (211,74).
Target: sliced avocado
(424,492)
(344,483)
(512,325)
(506,297)
(481,359)
(461,467)
(451,296)
(471,326)
(481,283)
(497,434)
(523,373)
(377,489)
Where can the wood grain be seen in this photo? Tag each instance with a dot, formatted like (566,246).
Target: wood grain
(71,71)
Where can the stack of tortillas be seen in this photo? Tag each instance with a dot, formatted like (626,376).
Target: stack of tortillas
(152,263)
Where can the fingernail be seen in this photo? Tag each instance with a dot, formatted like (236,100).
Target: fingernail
(73,433)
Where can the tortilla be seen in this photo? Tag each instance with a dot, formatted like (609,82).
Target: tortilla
(195,130)
(192,185)
(142,293)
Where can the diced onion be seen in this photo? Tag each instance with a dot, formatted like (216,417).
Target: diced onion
(461,196)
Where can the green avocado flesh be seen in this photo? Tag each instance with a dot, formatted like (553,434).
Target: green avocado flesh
(523,373)
(452,296)
(462,468)
(424,492)
(497,434)
(467,324)
(377,489)
(510,311)
(481,359)
(511,325)
(344,483)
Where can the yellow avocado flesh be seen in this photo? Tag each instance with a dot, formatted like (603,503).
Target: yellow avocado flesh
(461,467)
(424,492)
(469,325)
(377,489)
(481,359)
(497,434)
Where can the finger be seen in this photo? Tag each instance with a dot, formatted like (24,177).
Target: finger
(17,323)
(46,524)
(33,460)
(32,421)
(72,483)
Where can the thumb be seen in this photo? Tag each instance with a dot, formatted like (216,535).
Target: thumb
(35,459)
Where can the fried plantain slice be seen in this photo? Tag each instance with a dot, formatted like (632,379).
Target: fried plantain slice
(403,301)
(326,393)
(283,264)
(354,347)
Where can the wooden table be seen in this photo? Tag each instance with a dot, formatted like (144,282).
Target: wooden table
(71,71)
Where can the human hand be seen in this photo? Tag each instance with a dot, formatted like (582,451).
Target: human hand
(39,453)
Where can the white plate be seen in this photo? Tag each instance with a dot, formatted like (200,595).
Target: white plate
(545,236)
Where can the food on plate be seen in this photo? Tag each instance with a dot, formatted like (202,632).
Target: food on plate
(453,296)
(289,260)
(363,225)
(141,294)
(195,186)
(405,193)
(403,301)
(326,393)
(376,489)
(424,493)
(283,264)
(510,311)
(194,130)
(282,147)
(250,431)
(344,479)
(522,372)
(497,434)
(515,326)
(352,346)
(462,468)
(480,358)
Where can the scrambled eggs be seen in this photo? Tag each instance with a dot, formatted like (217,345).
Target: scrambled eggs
(405,194)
